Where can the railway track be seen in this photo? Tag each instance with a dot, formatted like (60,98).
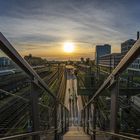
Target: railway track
(62,89)
(16,109)
(12,112)
(16,82)
(50,79)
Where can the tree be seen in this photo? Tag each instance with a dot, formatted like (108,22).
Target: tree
(87,61)
(82,60)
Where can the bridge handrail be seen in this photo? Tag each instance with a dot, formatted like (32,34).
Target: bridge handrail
(30,134)
(124,63)
(115,134)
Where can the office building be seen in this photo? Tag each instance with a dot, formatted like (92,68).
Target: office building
(126,46)
(101,50)
(110,60)
(4,62)
(134,68)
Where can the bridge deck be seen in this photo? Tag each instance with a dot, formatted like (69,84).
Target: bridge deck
(76,133)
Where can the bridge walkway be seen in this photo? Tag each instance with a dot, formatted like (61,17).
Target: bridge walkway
(76,133)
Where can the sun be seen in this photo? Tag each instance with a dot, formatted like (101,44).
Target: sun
(69,47)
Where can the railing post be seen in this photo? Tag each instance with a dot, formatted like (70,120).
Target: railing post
(34,109)
(114,105)
(88,118)
(81,121)
(68,115)
(84,115)
(49,119)
(62,119)
(65,120)
(94,120)
(55,119)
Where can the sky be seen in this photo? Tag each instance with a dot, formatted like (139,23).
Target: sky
(41,27)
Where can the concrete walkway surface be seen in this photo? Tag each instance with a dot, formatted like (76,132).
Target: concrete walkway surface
(76,133)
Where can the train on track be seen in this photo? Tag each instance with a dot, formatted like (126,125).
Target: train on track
(7,72)
(14,80)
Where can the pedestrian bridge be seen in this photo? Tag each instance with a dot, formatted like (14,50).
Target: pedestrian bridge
(34,111)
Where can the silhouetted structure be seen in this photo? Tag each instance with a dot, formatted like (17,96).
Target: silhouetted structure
(32,60)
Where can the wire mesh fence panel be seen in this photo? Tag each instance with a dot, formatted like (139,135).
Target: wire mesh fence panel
(129,100)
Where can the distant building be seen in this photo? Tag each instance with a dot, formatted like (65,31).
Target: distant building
(34,61)
(4,62)
(101,50)
(134,68)
(126,46)
(110,60)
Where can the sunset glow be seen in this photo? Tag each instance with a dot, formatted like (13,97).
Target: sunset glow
(69,47)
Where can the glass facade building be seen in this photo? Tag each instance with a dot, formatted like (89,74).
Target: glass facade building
(101,50)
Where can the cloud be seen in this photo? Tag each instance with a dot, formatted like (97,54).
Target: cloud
(33,24)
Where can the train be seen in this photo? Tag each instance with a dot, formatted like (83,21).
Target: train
(7,72)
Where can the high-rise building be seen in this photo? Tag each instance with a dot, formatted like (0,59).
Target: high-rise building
(126,46)
(101,50)
(4,62)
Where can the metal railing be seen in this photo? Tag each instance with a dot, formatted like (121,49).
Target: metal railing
(107,135)
(91,111)
(59,113)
